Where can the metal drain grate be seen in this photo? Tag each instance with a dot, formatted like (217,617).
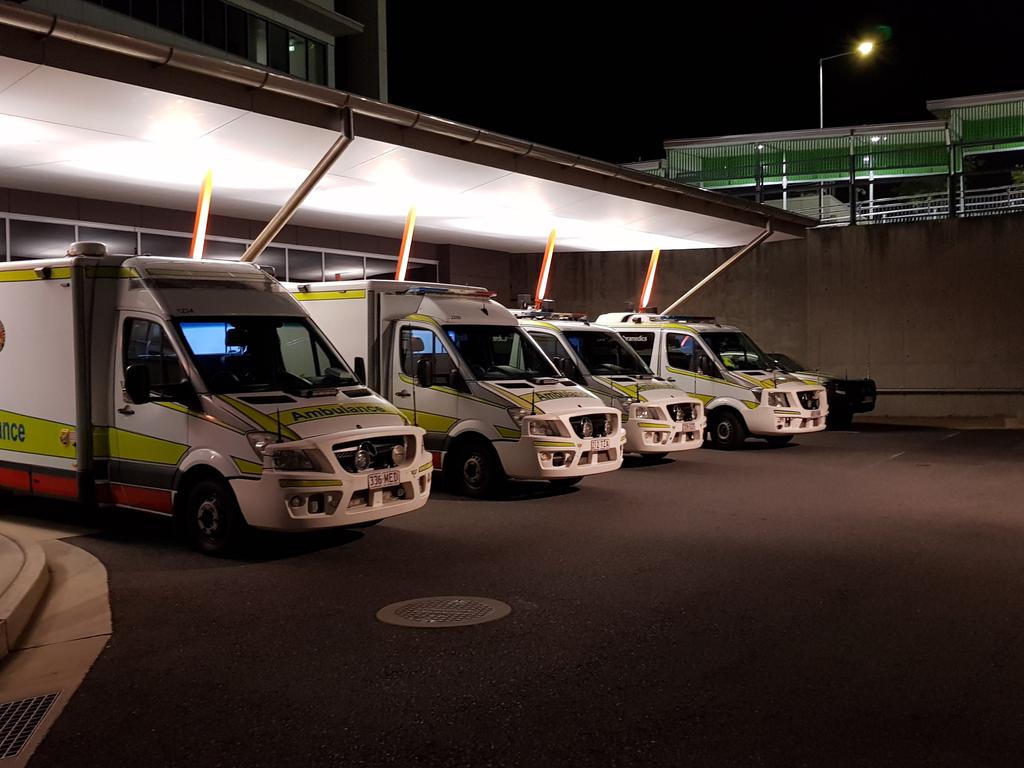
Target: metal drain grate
(19,720)
(450,611)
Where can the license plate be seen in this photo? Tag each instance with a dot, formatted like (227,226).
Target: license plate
(815,414)
(600,445)
(382,479)
(689,426)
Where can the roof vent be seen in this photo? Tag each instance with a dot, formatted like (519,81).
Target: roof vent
(86,248)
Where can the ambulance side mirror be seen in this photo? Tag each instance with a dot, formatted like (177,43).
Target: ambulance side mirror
(706,368)
(360,370)
(136,384)
(424,373)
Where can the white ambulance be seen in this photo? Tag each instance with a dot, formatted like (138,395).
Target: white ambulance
(195,389)
(743,391)
(658,417)
(458,364)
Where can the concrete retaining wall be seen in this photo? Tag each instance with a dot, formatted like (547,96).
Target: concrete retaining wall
(917,305)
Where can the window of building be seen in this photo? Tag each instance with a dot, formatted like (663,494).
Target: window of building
(213,23)
(232,29)
(121,6)
(277,47)
(171,246)
(39,239)
(340,266)
(172,15)
(381,269)
(146,10)
(423,273)
(296,55)
(222,249)
(305,266)
(119,241)
(317,62)
(237,23)
(258,40)
(193,19)
(275,257)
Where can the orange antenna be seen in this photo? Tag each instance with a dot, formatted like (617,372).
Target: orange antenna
(652,268)
(545,269)
(202,216)
(403,252)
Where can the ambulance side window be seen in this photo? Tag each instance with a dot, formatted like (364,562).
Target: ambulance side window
(642,342)
(417,344)
(680,350)
(548,343)
(145,343)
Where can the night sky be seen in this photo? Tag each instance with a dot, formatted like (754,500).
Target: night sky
(615,86)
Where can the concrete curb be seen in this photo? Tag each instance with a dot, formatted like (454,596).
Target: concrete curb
(18,602)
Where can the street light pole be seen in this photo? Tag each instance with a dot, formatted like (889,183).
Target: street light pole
(864,49)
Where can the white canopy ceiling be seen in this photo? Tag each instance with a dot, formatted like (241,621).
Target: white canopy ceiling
(71,133)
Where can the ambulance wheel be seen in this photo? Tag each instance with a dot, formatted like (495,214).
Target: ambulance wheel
(475,470)
(727,430)
(566,482)
(212,517)
(779,440)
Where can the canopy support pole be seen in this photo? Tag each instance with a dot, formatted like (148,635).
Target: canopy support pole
(284,215)
(761,237)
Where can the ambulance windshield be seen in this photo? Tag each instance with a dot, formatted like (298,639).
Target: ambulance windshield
(261,354)
(606,354)
(500,352)
(737,351)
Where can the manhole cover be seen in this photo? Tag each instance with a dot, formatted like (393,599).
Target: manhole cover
(450,611)
(19,720)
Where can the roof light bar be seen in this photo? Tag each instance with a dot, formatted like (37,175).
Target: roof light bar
(431,290)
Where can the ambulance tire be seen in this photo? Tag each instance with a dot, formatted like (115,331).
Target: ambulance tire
(726,429)
(212,518)
(474,469)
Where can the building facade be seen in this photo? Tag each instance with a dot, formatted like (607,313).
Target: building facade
(969,161)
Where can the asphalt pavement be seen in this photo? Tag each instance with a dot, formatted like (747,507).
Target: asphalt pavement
(854,599)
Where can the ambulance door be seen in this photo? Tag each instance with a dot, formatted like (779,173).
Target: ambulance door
(423,374)
(680,353)
(147,440)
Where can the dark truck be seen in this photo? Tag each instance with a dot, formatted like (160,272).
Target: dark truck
(845,396)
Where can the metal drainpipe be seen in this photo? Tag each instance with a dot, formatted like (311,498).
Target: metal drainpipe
(723,266)
(284,215)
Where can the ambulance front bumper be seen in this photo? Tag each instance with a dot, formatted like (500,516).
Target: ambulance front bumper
(305,500)
(565,455)
(767,422)
(663,436)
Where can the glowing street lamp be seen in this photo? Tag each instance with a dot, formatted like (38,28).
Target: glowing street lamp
(864,48)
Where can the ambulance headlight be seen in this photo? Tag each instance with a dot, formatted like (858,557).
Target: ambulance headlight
(517,414)
(778,400)
(646,412)
(291,460)
(544,428)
